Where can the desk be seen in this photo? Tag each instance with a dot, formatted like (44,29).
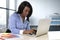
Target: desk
(52,35)
(25,37)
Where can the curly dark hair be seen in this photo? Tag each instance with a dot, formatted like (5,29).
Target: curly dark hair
(22,6)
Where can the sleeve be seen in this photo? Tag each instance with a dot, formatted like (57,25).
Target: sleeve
(21,31)
(12,25)
(28,26)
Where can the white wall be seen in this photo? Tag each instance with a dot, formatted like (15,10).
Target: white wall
(42,9)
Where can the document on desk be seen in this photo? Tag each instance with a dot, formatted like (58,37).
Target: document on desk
(8,35)
(21,37)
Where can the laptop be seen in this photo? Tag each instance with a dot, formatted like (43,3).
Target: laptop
(43,27)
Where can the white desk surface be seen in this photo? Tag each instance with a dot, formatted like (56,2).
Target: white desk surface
(52,35)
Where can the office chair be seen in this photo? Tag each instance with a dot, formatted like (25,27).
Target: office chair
(8,31)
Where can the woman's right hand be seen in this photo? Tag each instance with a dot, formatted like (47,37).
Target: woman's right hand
(28,31)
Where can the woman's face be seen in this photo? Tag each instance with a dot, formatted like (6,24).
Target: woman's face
(26,11)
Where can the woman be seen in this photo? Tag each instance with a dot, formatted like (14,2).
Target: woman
(19,21)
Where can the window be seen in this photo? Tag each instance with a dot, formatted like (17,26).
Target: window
(2,13)
(7,7)
(3,3)
(12,4)
(11,7)
(3,17)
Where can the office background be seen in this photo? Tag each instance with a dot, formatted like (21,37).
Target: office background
(41,9)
